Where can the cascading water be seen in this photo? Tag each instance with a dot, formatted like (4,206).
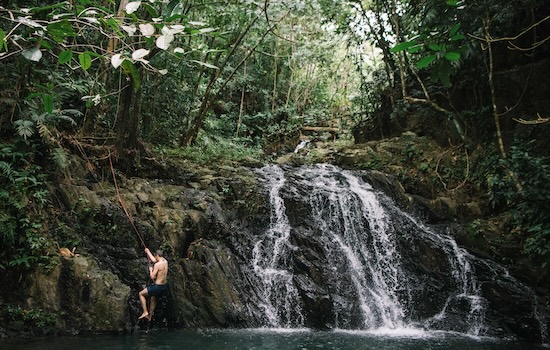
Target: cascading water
(345,211)
(369,288)
(278,295)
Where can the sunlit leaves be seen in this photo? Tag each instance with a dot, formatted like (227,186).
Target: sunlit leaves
(65,57)
(132,7)
(85,60)
(163,42)
(140,54)
(131,29)
(116,60)
(147,29)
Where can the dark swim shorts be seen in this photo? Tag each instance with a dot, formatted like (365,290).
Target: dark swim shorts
(157,290)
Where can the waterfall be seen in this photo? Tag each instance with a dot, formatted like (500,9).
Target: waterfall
(279,296)
(335,240)
(345,209)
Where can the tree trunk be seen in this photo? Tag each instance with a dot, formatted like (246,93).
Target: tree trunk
(127,125)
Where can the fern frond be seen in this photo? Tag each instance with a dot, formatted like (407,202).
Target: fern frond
(45,133)
(73,112)
(25,128)
(60,157)
(7,170)
(39,118)
(65,117)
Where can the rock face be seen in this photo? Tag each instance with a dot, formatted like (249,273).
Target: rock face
(237,260)
(84,297)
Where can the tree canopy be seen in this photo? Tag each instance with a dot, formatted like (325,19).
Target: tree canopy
(179,73)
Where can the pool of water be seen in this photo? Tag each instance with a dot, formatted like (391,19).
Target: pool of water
(272,339)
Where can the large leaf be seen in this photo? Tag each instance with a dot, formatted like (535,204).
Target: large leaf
(426,61)
(117,60)
(163,42)
(452,56)
(65,56)
(151,10)
(132,7)
(147,29)
(85,60)
(173,8)
(33,54)
(457,37)
(454,29)
(403,46)
(140,54)
(48,103)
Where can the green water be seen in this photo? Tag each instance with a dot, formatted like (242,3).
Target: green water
(270,340)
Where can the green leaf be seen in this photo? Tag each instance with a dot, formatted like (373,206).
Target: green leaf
(452,2)
(457,37)
(60,30)
(208,65)
(452,56)
(150,9)
(454,29)
(434,47)
(46,45)
(173,8)
(65,56)
(48,103)
(415,48)
(403,46)
(3,43)
(85,60)
(426,61)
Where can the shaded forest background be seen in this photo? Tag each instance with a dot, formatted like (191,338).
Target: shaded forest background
(230,81)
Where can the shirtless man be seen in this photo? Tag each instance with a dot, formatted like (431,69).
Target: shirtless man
(158,274)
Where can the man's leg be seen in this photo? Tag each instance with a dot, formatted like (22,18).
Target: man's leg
(143,299)
(152,305)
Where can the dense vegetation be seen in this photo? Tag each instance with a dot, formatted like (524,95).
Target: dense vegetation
(235,78)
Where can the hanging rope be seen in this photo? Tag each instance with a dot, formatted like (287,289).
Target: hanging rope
(122,204)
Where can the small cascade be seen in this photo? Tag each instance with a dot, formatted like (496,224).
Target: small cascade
(279,297)
(301,145)
(467,287)
(342,254)
(345,211)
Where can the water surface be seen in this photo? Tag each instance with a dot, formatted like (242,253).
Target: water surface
(272,339)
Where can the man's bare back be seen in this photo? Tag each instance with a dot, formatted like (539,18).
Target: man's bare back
(160,271)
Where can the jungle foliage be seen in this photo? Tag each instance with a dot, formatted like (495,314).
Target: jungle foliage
(205,80)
